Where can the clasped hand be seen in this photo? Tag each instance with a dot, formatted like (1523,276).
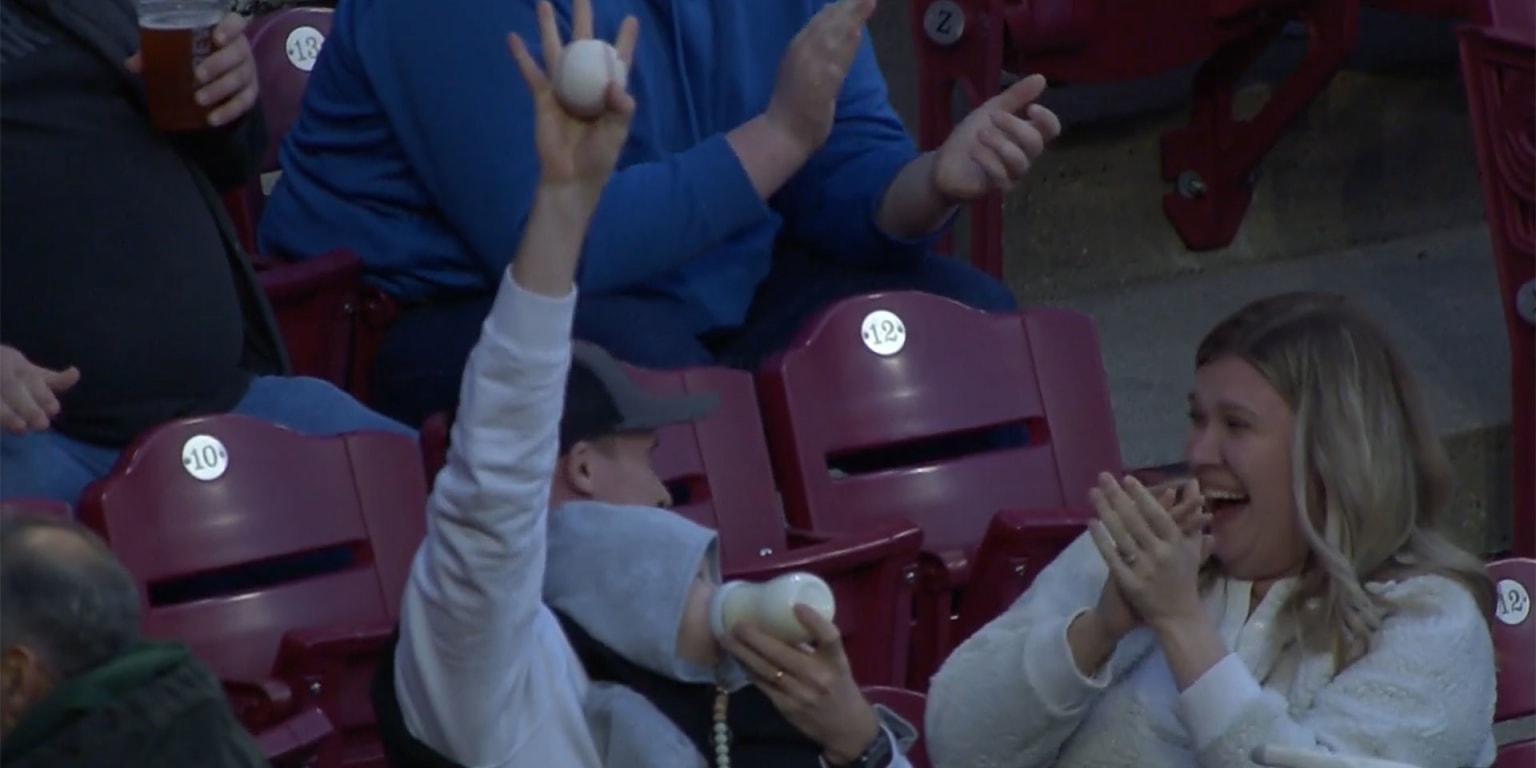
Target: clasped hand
(1153,547)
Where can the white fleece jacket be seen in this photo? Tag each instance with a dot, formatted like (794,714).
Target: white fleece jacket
(1012,697)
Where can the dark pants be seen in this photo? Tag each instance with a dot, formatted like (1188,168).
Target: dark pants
(423,358)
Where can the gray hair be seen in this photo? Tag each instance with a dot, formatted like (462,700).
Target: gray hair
(73,604)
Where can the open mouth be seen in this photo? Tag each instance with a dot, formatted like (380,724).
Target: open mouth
(1219,502)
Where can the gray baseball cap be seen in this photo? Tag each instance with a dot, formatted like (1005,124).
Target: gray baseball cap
(601,399)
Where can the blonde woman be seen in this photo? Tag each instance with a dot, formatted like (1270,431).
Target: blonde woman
(1319,608)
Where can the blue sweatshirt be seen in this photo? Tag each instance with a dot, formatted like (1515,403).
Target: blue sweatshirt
(415,149)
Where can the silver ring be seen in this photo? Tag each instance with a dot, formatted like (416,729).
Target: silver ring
(1127,557)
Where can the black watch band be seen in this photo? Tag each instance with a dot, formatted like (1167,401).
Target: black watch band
(876,755)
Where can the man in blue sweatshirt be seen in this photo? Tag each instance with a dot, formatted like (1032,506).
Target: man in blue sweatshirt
(765,176)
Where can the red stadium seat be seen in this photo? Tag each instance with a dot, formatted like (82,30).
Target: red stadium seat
(889,371)
(316,302)
(279,558)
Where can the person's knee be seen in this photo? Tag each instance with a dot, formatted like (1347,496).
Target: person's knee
(314,407)
(39,465)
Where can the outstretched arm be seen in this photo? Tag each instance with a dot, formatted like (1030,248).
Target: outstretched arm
(467,626)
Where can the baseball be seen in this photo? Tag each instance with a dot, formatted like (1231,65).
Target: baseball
(582,74)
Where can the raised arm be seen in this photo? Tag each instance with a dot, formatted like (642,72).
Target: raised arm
(834,201)
(467,640)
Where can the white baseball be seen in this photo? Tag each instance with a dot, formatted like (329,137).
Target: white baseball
(582,74)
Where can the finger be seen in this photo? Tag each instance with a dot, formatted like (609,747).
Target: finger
(223,78)
(825,636)
(1129,514)
(1104,541)
(135,63)
(1014,161)
(1189,512)
(42,395)
(1020,132)
(581,20)
(11,421)
(549,36)
(839,26)
(991,165)
(629,32)
(222,62)
(1156,518)
(20,401)
(229,28)
(1020,94)
(231,110)
(780,654)
(1110,520)
(535,77)
(770,675)
(62,381)
(620,104)
(1045,121)
(860,11)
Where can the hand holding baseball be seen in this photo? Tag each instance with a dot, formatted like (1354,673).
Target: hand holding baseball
(581,107)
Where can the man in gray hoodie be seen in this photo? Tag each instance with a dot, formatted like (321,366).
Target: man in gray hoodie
(483,673)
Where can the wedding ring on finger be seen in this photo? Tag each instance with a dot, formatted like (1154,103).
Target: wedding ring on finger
(778,676)
(1126,556)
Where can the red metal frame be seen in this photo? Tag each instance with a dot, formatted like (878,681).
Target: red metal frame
(1499,66)
(1212,159)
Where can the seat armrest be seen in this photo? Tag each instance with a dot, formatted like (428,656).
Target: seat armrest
(294,742)
(282,279)
(258,703)
(333,641)
(830,555)
(310,656)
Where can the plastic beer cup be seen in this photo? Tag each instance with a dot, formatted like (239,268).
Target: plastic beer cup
(174,37)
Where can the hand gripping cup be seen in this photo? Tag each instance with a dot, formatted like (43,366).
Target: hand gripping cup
(771,605)
(174,37)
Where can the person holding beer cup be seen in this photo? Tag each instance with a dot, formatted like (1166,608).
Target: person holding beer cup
(197,66)
(127,301)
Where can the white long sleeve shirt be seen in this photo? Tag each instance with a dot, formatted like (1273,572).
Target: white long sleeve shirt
(483,672)
(1011,696)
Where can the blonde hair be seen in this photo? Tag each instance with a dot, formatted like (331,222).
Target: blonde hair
(1369,473)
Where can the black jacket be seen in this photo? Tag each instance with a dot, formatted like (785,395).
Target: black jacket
(761,737)
(118,254)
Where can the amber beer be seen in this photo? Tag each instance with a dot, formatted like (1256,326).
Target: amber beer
(174,37)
